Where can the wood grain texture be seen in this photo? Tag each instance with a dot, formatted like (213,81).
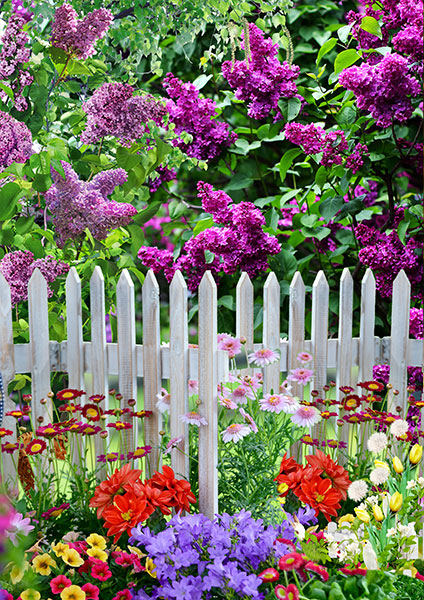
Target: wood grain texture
(319,337)
(125,311)
(296,341)
(39,344)
(178,380)
(208,435)
(401,301)
(151,366)
(244,314)
(271,331)
(366,335)
(344,354)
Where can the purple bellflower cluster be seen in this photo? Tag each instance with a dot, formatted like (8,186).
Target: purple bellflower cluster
(333,145)
(113,110)
(15,141)
(386,256)
(13,55)
(77,205)
(240,244)
(195,116)
(261,80)
(17,268)
(76,36)
(197,558)
(384,89)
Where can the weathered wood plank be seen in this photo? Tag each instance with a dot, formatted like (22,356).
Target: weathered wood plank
(244,314)
(271,331)
(344,355)
(366,335)
(319,336)
(399,335)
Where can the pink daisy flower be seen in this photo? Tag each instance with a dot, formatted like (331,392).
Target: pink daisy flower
(304,357)
(164,400)
(227,403)
(235,432)
(239,395)
(279,403)
(306,416)
(249,419)
(263,357)
(301,376)
(193,387)
(193,418)
(18,526)
(229,343)
(174,443)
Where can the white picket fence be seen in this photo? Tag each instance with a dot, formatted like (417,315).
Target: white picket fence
(177,362)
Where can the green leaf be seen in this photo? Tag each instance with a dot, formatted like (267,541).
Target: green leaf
(345,59)
(321,176)
(58,56)
(209,256)
(147,213)
(330,206)
(7,90)
(308,220)
(371,25)
(287,160)
(343,33)
(288,262)
(127,160)
(24,224)
(201,81)
(325,48)
(8,197)
(318,232)
(294,107)
(239,182)
(137,237)
(203,224)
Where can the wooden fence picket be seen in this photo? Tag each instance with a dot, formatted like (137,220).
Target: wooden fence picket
(319,337)
(244,314)
(344,355)
(208,408)
(151,366)
(178,381)
(7,369)
(271,331)
(296,340)
(399,338)
(366,335)
(125,311)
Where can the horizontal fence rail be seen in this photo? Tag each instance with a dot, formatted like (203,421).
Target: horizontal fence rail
(179,362)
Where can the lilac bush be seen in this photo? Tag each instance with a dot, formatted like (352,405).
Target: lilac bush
(15,141)
(14,54)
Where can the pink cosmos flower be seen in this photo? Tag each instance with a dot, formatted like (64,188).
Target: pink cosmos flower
(306,416)
(193,387)
(59,583)
(249,419)
(193,418)
(227,403)
(239,395)
(235,432)
(272,403)
(164,400)
(285,387)
(18,526)
(263,357)
(304,357)
(301,376)
(174,443)
(229,343)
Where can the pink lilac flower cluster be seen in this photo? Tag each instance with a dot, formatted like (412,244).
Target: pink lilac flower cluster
(13,55)
(15,141)
(156,234)
(416,328)
(113,110)
(240,245)
(332,144)
(164,174)
(17,268)
(77,205)
(77,37)
(386,256)
(261,80)
(196,116)
(370,192)
(384,90)
(19,9)
(366,40)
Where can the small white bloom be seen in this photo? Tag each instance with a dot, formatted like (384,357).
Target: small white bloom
(399,427)
(379,476)
(377,442)
(391,531)
(357,490)
(411,484)
(421,481)
(373,500)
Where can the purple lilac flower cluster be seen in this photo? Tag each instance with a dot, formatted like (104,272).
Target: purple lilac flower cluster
(261,80)
(13,55)
(195,557)
(366,40)
(164,174)
(384,89)
(113,110)
(19,8)
(332,144)
(77,205)
(386,256)
(77,37)
(156,233)
(241,244)
(196,116)
(15,141)
(17,268)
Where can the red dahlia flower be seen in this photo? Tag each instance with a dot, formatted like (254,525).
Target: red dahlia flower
(319,494)
(127,511)
(328,469)
(180,491)
(115,484)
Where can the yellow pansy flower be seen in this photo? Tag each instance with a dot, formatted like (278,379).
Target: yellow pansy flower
(73,592)
(60,549)
(17,572)
(72,558)
(97,553)
(96,541)
(30,594)
(42,564)
(151,567)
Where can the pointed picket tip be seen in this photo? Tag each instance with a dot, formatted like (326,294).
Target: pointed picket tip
(368,279)
(320,280)
(150,280)
(401,280)
(5,294)
(97,276)
(125,280)
(178,281)
(244,281)
(37,279)
(346,276)
(271,280)
(297,281)
(207,282)
(73,276)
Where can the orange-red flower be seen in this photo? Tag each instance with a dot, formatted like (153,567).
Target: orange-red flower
(179,490)
(328,469)
(125,513)
(114,485)
(319,494)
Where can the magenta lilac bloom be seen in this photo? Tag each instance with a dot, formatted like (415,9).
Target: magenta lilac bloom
(15,141)
(13,55)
